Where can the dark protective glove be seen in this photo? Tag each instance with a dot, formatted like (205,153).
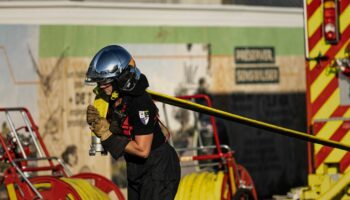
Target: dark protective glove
(116,128)
(92,115)
(116,123)
(115,145)
(101,128)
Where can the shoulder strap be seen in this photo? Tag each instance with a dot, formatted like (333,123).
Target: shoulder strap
(167,137)
(157,119)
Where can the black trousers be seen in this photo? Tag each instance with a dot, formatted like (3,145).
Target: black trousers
(154,178)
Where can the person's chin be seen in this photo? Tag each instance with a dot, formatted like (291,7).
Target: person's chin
(108,93)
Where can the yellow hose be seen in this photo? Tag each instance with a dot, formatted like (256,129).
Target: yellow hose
(218,184)
(11,191)
(196,187)
(209,186)
(189,184)
(244,120)
(85,190)
(202,185)
(181,188)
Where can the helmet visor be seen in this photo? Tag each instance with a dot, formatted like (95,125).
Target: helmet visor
(128,79)
(98,81)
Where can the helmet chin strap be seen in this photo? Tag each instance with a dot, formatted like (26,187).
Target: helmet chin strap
(115,93)
(115,85)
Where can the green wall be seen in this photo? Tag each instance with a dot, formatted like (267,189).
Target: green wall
(86,40)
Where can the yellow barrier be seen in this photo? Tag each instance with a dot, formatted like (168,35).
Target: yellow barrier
(202,185)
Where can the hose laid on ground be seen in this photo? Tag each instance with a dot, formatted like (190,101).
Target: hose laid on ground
(202,185)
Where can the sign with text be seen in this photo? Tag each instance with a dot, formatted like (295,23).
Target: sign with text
(254,55)
(246,75)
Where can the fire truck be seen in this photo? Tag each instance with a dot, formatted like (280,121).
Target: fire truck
(327,42)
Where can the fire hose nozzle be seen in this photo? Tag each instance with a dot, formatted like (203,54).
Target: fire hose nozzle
(101,104)
(96,147)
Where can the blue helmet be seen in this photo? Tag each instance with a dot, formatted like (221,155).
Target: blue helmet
(113,63)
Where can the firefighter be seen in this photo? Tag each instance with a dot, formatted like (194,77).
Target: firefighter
(131,128)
